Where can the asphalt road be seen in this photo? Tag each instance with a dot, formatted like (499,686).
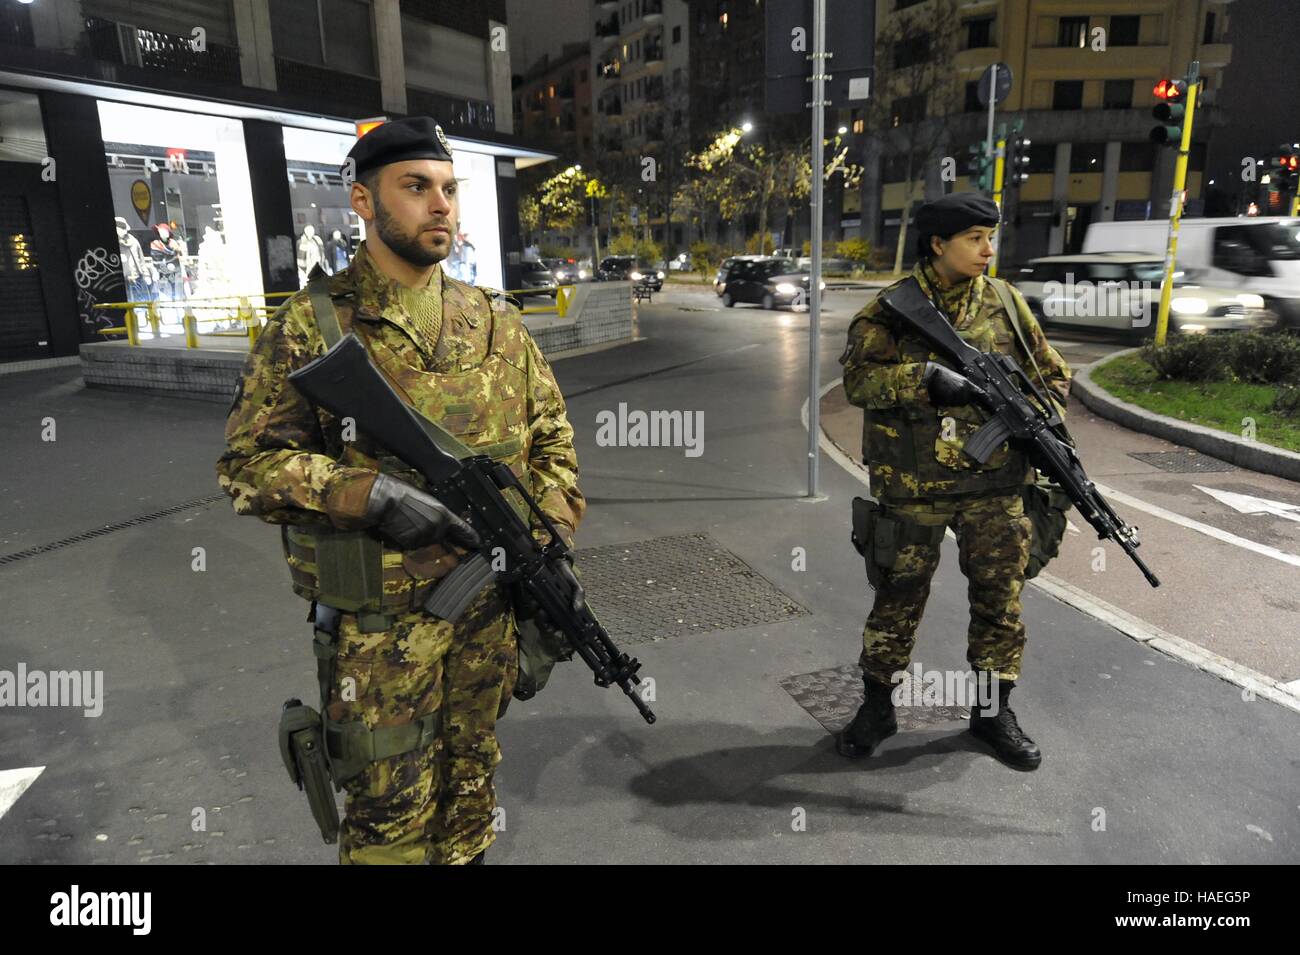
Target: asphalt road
(1146,758)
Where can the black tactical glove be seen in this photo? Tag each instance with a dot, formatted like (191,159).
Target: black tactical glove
(411,518)
(526,608)
(947,387)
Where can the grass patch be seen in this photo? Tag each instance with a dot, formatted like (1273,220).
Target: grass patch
(1215,404)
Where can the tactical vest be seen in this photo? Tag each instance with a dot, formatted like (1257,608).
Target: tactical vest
(485,408)
(914,450)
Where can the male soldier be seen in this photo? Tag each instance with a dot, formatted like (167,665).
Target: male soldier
(410,700)
(917,416)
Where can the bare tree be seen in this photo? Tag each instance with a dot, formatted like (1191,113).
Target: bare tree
(919,89)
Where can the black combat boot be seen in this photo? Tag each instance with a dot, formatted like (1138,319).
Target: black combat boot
(1003,733)
(874,724)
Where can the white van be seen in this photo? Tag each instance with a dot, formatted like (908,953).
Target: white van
(1260,255)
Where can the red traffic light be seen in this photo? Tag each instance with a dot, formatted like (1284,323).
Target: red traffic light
(1170,89)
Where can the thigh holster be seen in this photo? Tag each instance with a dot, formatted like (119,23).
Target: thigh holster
(879,535)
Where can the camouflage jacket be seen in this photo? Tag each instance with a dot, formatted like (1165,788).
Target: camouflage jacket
(286,461)
(913,448)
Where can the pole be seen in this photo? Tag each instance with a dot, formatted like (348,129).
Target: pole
(993,91)
(999,175)
(815,306)
(1176,204)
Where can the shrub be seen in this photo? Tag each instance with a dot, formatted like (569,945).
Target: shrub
(706,257)
(1265,358)
(751,245)
(1190,358)
(857,251)
(1287,401)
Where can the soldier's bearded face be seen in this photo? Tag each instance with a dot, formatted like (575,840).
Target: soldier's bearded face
(417,210)
(966,254)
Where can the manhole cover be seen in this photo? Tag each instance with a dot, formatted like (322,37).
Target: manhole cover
(1181,462)
(670,586)
(831,697)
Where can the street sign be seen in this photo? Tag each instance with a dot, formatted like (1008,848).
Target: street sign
(1003,88)
(850,32)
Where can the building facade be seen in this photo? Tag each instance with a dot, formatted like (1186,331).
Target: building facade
(553,102)
(1084,73)
(176,152)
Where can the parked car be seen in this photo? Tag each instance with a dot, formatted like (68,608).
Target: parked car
(767,281)
(1120,292)
(626,268)
(536,279)
(727,265)
(1255,255)
(567,271)
(680,262)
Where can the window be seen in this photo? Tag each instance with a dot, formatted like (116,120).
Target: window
(345,44)
(859,126)
(912,50)
(677,34)
(1087,157)
(1117,94)
(1124,31)
(1042,158)
(973,97)
(908,109)
(1210,24)
(979,33)
(1137,157)
(1067,94)
(1234,252)
(1072,31)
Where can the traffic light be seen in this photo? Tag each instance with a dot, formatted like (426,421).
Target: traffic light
(980,167)
(1170,112)
(1017,161)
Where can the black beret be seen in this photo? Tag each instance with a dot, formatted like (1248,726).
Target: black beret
(416,137)
(951,214)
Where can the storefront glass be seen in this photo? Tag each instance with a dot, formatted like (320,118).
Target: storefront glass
(184,208)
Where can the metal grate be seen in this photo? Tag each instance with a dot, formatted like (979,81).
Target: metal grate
(832,697)
(108,529)
(1182,462)
(670,586)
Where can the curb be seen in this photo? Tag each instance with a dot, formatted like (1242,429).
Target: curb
(1251,455)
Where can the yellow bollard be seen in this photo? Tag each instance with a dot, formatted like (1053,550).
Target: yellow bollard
(562,296)
(132,332)
(154,320)
(191,328)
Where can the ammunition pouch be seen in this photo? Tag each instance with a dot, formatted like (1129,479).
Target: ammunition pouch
(1045,506)
(302,747)
(540,648)
(878,537)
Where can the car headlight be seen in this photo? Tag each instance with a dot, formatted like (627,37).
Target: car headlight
(582,273)
(560,276)
(636,276)
(1192,329)
(821,285)
(1189,306)
(661,275)
(785,288)
(1251,301)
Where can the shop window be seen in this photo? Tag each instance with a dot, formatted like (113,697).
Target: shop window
(184,211)
(1042,158)
(1137,157)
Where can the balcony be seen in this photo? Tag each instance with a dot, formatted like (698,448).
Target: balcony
(611,145)
(129,45)
(606,4)
(653,12)
(609,69)
(613,106)
(349,92)
(654,55)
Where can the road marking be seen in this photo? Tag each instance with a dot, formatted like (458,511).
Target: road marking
(1156,511)
(1284,694)
(13,783)
(1252,505)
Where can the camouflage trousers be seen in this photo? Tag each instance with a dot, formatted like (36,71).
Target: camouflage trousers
(993,546)
(436,804)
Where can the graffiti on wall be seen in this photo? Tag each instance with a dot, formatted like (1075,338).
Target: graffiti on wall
(98,273)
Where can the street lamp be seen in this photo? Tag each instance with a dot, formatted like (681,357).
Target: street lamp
(746,126)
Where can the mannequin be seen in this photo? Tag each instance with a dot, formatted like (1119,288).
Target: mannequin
(336,252)
(311,252)
(166,255)
(136,269)
(212,280)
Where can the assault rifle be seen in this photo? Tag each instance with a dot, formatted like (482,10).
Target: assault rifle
(345,382)
(1004,394)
